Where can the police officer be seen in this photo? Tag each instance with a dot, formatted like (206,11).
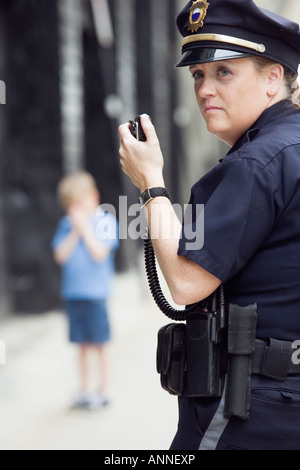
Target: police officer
(244,63)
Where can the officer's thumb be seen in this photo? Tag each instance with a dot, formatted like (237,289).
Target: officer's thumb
(147,126)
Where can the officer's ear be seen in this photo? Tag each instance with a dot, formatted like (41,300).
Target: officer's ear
(275,76)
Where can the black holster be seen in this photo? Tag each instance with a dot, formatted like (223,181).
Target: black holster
(204,346)
(190,355)
(241,347)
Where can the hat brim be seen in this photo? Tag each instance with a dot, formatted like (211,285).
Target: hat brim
(206,54)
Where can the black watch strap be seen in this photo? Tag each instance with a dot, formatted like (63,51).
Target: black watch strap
(151,193)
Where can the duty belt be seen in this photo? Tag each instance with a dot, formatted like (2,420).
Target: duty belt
(273,359)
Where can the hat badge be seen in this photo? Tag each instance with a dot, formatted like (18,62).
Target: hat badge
(197,15)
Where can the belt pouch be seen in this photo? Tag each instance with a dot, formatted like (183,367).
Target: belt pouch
(241,347)
(170,357)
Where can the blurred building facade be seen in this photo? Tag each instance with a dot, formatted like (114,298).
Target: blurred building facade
(74,70)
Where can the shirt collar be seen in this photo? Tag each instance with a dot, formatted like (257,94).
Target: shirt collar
(278,111)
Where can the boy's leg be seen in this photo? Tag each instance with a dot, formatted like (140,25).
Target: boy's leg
(82,398)
(83,366)
(87,398)
(99,399)
(103,358)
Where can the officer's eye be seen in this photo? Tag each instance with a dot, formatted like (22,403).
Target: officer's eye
(223,72)
(197,75)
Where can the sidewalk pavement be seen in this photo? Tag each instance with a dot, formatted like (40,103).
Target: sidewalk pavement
(39,380)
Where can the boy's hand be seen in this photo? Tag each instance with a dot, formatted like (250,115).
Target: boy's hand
(79,218)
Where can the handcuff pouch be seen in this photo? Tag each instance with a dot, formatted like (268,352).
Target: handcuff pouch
(171,357)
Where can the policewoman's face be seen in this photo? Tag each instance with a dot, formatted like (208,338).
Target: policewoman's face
(231,95)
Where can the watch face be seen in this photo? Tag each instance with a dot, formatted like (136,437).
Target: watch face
(152,193)
(144,198)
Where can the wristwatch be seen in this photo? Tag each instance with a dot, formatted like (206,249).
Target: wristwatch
(151,193)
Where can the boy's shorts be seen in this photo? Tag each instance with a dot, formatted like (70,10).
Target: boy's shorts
(88,321)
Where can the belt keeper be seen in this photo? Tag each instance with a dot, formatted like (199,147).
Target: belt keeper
(277,360)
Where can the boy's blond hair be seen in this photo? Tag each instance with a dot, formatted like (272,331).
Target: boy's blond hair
(73,187)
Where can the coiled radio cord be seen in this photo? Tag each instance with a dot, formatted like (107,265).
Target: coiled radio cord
(154,284)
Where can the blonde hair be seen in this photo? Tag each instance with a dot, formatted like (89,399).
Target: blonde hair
(291,79)
(74,187)
(294,87)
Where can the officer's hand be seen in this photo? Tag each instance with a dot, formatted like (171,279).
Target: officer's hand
(141,161)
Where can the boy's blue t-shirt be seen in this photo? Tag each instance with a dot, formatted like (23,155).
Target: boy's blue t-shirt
(82,277)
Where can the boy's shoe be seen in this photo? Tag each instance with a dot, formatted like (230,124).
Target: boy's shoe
(97,400)
(82,399)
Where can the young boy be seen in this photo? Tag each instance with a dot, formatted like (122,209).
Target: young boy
(84,245)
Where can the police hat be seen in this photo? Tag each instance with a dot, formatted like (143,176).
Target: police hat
(227,29)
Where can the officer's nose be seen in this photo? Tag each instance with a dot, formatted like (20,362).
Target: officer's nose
(206,88)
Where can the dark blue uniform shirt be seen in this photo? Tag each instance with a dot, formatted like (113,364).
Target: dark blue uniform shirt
(252,222)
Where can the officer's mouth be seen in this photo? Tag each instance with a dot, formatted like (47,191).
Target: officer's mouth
(211,109)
